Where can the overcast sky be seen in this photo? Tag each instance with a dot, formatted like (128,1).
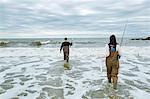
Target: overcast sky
(74,18)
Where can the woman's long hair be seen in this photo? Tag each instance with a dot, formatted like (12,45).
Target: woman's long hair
(113,40)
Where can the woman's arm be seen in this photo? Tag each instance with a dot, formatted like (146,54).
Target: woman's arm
(119,51)
(106,50)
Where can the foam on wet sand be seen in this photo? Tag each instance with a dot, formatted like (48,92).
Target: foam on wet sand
(38,73)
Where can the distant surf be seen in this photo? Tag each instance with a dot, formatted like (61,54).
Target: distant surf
(77,42)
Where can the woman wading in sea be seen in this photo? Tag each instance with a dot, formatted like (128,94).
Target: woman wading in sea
(112,60)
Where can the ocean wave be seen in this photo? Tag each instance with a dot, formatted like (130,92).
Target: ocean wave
(4,43)
(57,43)
(37,43)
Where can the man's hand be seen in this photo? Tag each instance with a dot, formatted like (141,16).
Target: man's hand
(71,44)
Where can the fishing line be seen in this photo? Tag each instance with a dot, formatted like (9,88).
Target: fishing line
(124,31)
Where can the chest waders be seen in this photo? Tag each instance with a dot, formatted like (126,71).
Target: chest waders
(66,53)
(112,64)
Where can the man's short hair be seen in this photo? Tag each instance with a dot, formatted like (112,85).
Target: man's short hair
(65,38)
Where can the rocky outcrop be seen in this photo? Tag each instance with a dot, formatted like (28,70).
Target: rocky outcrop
(147,38)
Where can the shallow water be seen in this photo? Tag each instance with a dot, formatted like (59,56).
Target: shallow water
(38,73)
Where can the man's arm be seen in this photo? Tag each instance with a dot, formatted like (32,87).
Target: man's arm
(70,43)
(61,47)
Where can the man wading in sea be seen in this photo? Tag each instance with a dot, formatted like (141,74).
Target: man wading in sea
(112,60)
(65,46)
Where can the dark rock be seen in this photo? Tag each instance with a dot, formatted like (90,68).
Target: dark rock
(147,38)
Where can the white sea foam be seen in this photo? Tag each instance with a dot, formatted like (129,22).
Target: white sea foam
(38,73)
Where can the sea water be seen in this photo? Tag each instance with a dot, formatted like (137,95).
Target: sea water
(77,42)
(36,72)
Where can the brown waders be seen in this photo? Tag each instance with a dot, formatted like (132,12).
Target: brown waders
(66,53)
(112,64)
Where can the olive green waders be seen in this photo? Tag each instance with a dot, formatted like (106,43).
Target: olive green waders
(112,64)
(66,53)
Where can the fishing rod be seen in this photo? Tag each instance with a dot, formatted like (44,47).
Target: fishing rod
(125,27)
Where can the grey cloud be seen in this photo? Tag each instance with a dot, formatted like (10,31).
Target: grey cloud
(108,15)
